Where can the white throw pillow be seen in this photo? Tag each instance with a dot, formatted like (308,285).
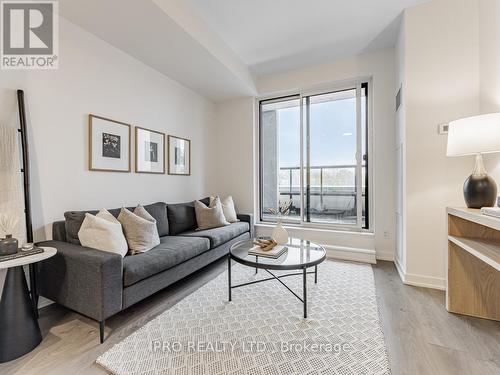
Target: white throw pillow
(227,208)
(209,217)
(140,229)
(103,232)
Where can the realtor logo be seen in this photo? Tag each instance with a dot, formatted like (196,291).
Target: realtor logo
(29,35)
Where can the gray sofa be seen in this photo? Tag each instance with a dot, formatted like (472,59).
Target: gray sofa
(99,284)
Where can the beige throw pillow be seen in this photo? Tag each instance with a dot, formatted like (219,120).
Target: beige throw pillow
(227,208)
(140,229)
(103,232)
(209,217)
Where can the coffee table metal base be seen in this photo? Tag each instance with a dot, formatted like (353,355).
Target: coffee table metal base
(304,274)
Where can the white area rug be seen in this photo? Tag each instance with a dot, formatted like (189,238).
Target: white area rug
(262,330)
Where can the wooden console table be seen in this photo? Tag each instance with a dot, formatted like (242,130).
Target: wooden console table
(473,264)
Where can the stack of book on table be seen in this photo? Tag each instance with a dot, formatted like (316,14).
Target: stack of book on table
(274,253)
(491,211)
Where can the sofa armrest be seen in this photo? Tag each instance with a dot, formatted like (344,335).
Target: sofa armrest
(248,218)
(59,230)
(86,280)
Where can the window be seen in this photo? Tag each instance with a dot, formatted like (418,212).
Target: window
(314,152)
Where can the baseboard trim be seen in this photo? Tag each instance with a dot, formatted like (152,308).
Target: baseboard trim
(385,255)
(350,253)
(423,281)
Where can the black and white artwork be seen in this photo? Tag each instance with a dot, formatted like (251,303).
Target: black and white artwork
(109,145)
(179,156)
(149,151)
(179,159)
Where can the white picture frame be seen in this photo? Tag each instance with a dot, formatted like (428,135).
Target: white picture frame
(179,156)
(149,151)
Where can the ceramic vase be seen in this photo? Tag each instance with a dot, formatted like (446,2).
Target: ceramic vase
(8,245)
(280,235)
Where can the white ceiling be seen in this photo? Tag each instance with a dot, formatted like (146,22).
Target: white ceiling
(164,35)
(275,35)
(218,47)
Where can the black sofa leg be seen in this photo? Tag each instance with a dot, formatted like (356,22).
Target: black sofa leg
(101,331)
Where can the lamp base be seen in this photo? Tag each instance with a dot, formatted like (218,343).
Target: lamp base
(480,191)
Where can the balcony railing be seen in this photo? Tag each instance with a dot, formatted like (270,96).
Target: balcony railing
(331,194)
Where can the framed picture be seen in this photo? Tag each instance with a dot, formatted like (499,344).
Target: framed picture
(179,156)
(109,145)
(149,151)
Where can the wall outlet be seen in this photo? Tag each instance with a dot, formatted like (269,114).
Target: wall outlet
(443,129)
(387,235)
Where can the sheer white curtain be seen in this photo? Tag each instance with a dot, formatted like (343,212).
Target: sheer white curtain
(11,188)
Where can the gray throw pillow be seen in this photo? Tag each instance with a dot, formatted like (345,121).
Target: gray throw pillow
(227,208)
(140,229)
(209,217)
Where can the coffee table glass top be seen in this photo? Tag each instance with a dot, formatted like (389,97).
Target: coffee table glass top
(300,254)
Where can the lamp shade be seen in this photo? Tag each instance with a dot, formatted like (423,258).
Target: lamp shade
(474,135)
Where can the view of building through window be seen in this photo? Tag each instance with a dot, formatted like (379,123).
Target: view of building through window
(333,156)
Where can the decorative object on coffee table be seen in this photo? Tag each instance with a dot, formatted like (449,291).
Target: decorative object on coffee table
(109,145)
(179,156)
(267,248)
(264,244)
(149,151)
(19,330)
(280,235)
(8,245)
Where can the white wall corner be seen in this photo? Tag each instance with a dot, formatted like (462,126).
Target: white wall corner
(423,281)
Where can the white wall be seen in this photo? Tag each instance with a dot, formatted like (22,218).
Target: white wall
(234,152)
(441,74)
(234,124)
(489,59)
(489,65)
(94,77)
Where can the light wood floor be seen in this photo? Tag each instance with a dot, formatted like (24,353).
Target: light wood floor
(421,336)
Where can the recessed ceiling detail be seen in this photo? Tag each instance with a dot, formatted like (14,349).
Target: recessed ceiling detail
(218,47)
(274,35)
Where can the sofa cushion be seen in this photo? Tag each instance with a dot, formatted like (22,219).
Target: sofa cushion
(170,252)
(209,217)
(74,220)
(103,232)
(140,229)
(159,211)
(219,236)
(182,216)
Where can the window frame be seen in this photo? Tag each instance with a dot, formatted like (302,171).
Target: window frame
(301,94)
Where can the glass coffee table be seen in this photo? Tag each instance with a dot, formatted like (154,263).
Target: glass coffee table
(301,255)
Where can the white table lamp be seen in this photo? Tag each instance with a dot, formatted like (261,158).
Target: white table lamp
(476,135)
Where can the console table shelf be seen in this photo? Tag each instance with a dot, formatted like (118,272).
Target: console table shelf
(473,264)
(486,251)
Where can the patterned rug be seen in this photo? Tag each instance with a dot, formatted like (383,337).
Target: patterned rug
(262,330)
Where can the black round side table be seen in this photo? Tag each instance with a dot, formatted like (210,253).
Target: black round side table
(19,330)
